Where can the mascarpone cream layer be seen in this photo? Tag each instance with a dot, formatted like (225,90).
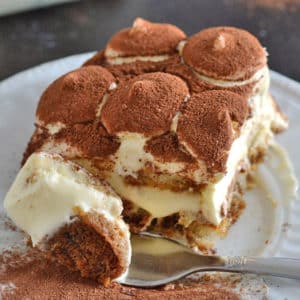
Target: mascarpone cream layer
(115,58)
(48,190)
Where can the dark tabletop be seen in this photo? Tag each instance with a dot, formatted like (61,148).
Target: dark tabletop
(30,38)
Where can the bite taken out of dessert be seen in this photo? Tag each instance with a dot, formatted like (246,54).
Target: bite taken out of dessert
(157,132)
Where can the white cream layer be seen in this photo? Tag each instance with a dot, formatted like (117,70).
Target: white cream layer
(116,58)
(257,76)
(127,60)
(47,190)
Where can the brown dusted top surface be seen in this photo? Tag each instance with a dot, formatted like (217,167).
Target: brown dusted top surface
(74,97)
(146,38)
(97,59)
(167,149)
(130,70)
(148,96)
(92,139)
(205,126)
(224,53)
(145,104)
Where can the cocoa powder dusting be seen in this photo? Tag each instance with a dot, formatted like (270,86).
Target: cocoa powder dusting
(130,70)
(74,97)
(205,125)
(224,53)
(97,59)
(42,279)
(145,104)
(146,38)
(91,139)
(167,149)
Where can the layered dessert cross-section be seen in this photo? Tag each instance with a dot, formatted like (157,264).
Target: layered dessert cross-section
(172,123)
(71,216)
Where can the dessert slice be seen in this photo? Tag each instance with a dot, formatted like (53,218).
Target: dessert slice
(174,124)
(71,216)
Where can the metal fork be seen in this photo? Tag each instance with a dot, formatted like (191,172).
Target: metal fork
(157,261)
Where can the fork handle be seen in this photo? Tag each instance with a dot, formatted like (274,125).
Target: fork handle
(275,266)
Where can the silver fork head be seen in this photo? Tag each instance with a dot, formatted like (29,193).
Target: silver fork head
(156,261)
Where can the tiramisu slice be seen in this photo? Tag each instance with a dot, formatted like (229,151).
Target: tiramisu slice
(172,123)
(71,216)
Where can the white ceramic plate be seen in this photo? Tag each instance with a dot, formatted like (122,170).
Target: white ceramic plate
(265,228)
